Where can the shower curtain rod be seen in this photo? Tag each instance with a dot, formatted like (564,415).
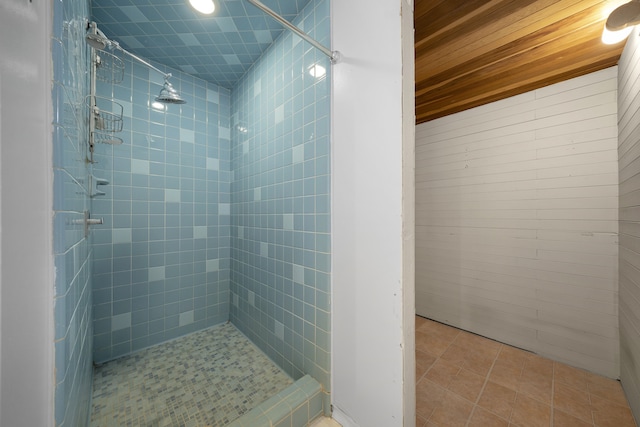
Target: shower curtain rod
(333,55)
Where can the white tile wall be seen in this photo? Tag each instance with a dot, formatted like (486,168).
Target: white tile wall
(516,221)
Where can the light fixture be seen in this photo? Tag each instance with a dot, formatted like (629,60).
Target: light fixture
(620,22)
(203,6)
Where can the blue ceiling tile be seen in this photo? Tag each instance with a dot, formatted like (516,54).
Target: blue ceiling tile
(227,25)
(219,48)
(242,23)
(152,13)
(234,38)
(134,14)
(187,38)
(259,23)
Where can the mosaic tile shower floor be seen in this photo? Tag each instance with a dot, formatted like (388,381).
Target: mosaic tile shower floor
(208,378)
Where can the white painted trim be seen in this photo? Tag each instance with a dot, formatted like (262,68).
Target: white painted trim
(408,214)
(0,244)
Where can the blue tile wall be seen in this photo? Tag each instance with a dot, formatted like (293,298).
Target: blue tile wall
(72,305)
(161,259)
(280,200)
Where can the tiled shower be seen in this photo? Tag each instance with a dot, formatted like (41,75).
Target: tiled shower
(215,210)
(161,262)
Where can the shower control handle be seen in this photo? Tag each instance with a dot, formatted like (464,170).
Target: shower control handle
(87,221)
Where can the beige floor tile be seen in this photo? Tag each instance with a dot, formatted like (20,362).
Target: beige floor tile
(506,374)
(453,411)
(573,377)
(430,343)
(423,362)
(498,399)
(488,348)
(609,414)
(428,397)
(512,356)
(442,373)
(455,355)
(474,381)
(483,418)
(573,402)
(535,385)
(467,385)
(606,388)
(446,333)
(528,412)
(479,363)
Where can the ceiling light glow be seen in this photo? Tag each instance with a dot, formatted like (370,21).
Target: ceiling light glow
(620,22)
(613,37)
(203,6)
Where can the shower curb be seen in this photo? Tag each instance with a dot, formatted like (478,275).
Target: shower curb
(295,406)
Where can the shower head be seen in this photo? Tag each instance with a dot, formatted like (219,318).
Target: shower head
(168,95)
(98,40)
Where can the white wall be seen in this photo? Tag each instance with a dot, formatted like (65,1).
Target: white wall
(516,206)
(26,337)
(372,229)
(629,163)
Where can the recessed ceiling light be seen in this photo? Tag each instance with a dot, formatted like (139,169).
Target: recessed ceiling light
(203,6)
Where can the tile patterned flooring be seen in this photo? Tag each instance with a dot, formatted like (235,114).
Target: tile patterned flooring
(463,379)
(208,378)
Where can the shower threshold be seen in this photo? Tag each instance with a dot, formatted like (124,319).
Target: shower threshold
(207,378)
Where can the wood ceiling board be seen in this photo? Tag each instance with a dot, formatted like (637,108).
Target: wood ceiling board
(469,53)
(497,39)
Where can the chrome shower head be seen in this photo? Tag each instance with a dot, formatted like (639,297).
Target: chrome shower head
(97,39)
(168,95)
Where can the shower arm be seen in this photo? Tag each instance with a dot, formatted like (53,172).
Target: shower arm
(334,56)
(116,45)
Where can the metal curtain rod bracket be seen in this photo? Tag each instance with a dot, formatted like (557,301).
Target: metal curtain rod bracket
(334,56)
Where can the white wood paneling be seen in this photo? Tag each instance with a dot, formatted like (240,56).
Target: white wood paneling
(517,221)
(629,269)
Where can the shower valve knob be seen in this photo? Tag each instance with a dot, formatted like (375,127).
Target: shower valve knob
(87,221)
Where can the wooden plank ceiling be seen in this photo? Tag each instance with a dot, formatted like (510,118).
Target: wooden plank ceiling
(472,52)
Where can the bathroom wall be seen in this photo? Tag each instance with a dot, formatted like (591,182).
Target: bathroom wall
(280,268)
(161,259)
(72,248)
(27,274)
(373,123)
(628,155)
(516,221)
